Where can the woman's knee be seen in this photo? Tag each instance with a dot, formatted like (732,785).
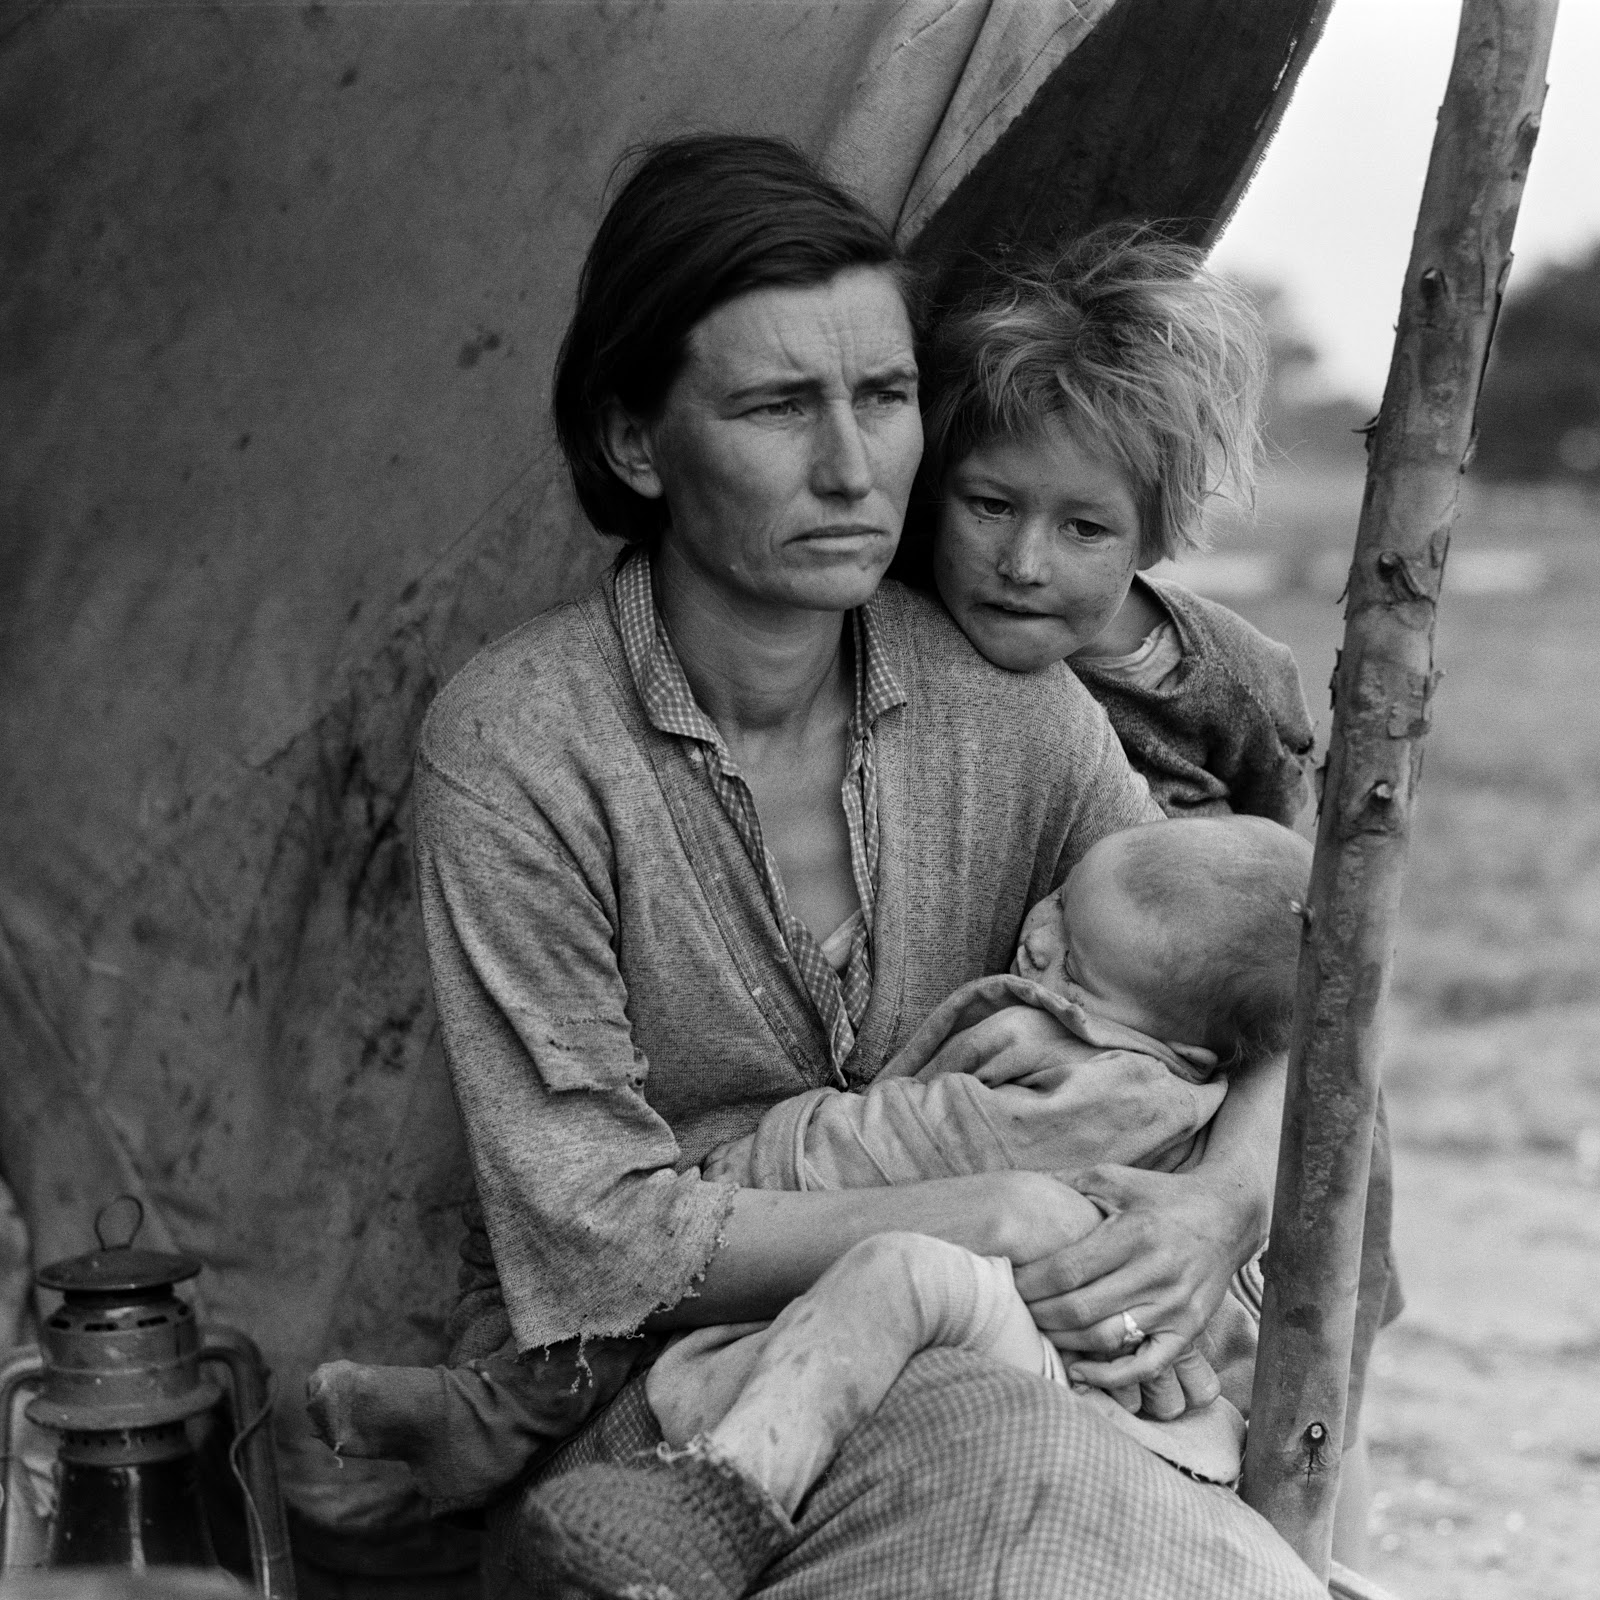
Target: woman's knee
(982,1480)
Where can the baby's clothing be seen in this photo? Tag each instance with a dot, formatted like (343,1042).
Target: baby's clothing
(781,1397)
(1224,726)
(1109,1094)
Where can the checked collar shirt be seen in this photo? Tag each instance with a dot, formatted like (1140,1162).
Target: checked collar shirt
(840,998)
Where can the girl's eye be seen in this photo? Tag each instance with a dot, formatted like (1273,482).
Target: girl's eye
(987,506)
(1080,528)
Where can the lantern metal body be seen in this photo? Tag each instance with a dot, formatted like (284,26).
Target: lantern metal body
(120,1370)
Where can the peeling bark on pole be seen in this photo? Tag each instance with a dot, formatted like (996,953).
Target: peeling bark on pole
(1382,687)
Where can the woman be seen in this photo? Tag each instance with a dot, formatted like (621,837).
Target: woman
(729,826)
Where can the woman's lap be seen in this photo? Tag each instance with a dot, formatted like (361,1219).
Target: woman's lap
(974,1481)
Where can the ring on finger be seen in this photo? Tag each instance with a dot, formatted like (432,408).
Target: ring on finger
(1132,1334)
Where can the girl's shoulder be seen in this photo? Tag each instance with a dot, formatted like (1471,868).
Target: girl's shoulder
(1218,642)
(1209,628)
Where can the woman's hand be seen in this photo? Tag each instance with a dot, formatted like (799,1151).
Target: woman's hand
(1048,1218)
(1166,1251)
(1164,1255)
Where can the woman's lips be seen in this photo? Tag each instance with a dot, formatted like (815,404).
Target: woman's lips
(852,530)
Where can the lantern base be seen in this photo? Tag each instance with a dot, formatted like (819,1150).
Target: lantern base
(141,1513)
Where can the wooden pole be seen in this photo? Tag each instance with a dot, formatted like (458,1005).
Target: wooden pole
(1382,686)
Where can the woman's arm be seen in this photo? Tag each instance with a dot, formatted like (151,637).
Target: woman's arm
(777,1244)
(1170,1243)
(593,1226)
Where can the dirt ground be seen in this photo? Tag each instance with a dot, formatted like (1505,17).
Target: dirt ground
(1484,1406)
(1483,1411)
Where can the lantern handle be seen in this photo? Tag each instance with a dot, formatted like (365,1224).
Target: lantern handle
(21,1366)
(254,1459)
(103,1217)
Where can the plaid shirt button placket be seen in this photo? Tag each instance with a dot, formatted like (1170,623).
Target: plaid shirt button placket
(669,702)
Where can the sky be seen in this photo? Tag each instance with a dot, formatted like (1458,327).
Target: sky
(1331,212)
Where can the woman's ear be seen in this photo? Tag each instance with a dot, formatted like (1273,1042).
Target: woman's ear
(630,451)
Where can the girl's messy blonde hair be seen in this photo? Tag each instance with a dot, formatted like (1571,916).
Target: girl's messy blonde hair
(1148,358)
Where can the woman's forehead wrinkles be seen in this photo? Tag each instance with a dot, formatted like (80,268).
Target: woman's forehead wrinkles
(792,337)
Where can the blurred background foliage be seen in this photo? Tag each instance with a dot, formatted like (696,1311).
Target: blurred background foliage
(1483,1413)
(1540,414)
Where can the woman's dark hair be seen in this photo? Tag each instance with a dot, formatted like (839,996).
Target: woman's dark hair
(700,221)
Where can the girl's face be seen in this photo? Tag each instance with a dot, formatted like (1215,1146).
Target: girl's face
(1037,543)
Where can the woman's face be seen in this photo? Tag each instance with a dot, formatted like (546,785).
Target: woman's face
(1038,541)
(787,446)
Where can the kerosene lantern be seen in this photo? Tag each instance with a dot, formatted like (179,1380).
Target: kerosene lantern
(120,1374)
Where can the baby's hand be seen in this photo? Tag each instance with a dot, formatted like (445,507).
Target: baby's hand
(730,1162)
(1040,1216)
(1012,1044)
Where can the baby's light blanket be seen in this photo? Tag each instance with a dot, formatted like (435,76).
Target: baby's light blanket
(943,1108)
(947,1105)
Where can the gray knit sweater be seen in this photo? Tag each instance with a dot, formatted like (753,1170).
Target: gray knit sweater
(615,996)
(1229,731)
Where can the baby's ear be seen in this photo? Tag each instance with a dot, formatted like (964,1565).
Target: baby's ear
(1203,1061)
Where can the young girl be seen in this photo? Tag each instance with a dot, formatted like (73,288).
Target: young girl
(1078,412)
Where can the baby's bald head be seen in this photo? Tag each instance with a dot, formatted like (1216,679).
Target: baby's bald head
(1188,930)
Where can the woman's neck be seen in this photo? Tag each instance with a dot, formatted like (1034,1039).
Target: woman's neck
(758,669)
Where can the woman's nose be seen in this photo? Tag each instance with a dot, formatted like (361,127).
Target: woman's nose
(1024,557)
(840,464)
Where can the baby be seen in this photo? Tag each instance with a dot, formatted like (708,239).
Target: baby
(1078,413)
(1167,957)
(1165,961)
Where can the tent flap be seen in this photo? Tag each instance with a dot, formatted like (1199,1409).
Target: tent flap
(284,288)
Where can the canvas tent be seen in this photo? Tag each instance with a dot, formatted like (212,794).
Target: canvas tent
(282,295)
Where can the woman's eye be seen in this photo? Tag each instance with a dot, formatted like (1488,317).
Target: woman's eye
(788,407)
(889,399)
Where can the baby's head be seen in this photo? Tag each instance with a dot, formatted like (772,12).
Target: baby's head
(1188,931)
(1077,414)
